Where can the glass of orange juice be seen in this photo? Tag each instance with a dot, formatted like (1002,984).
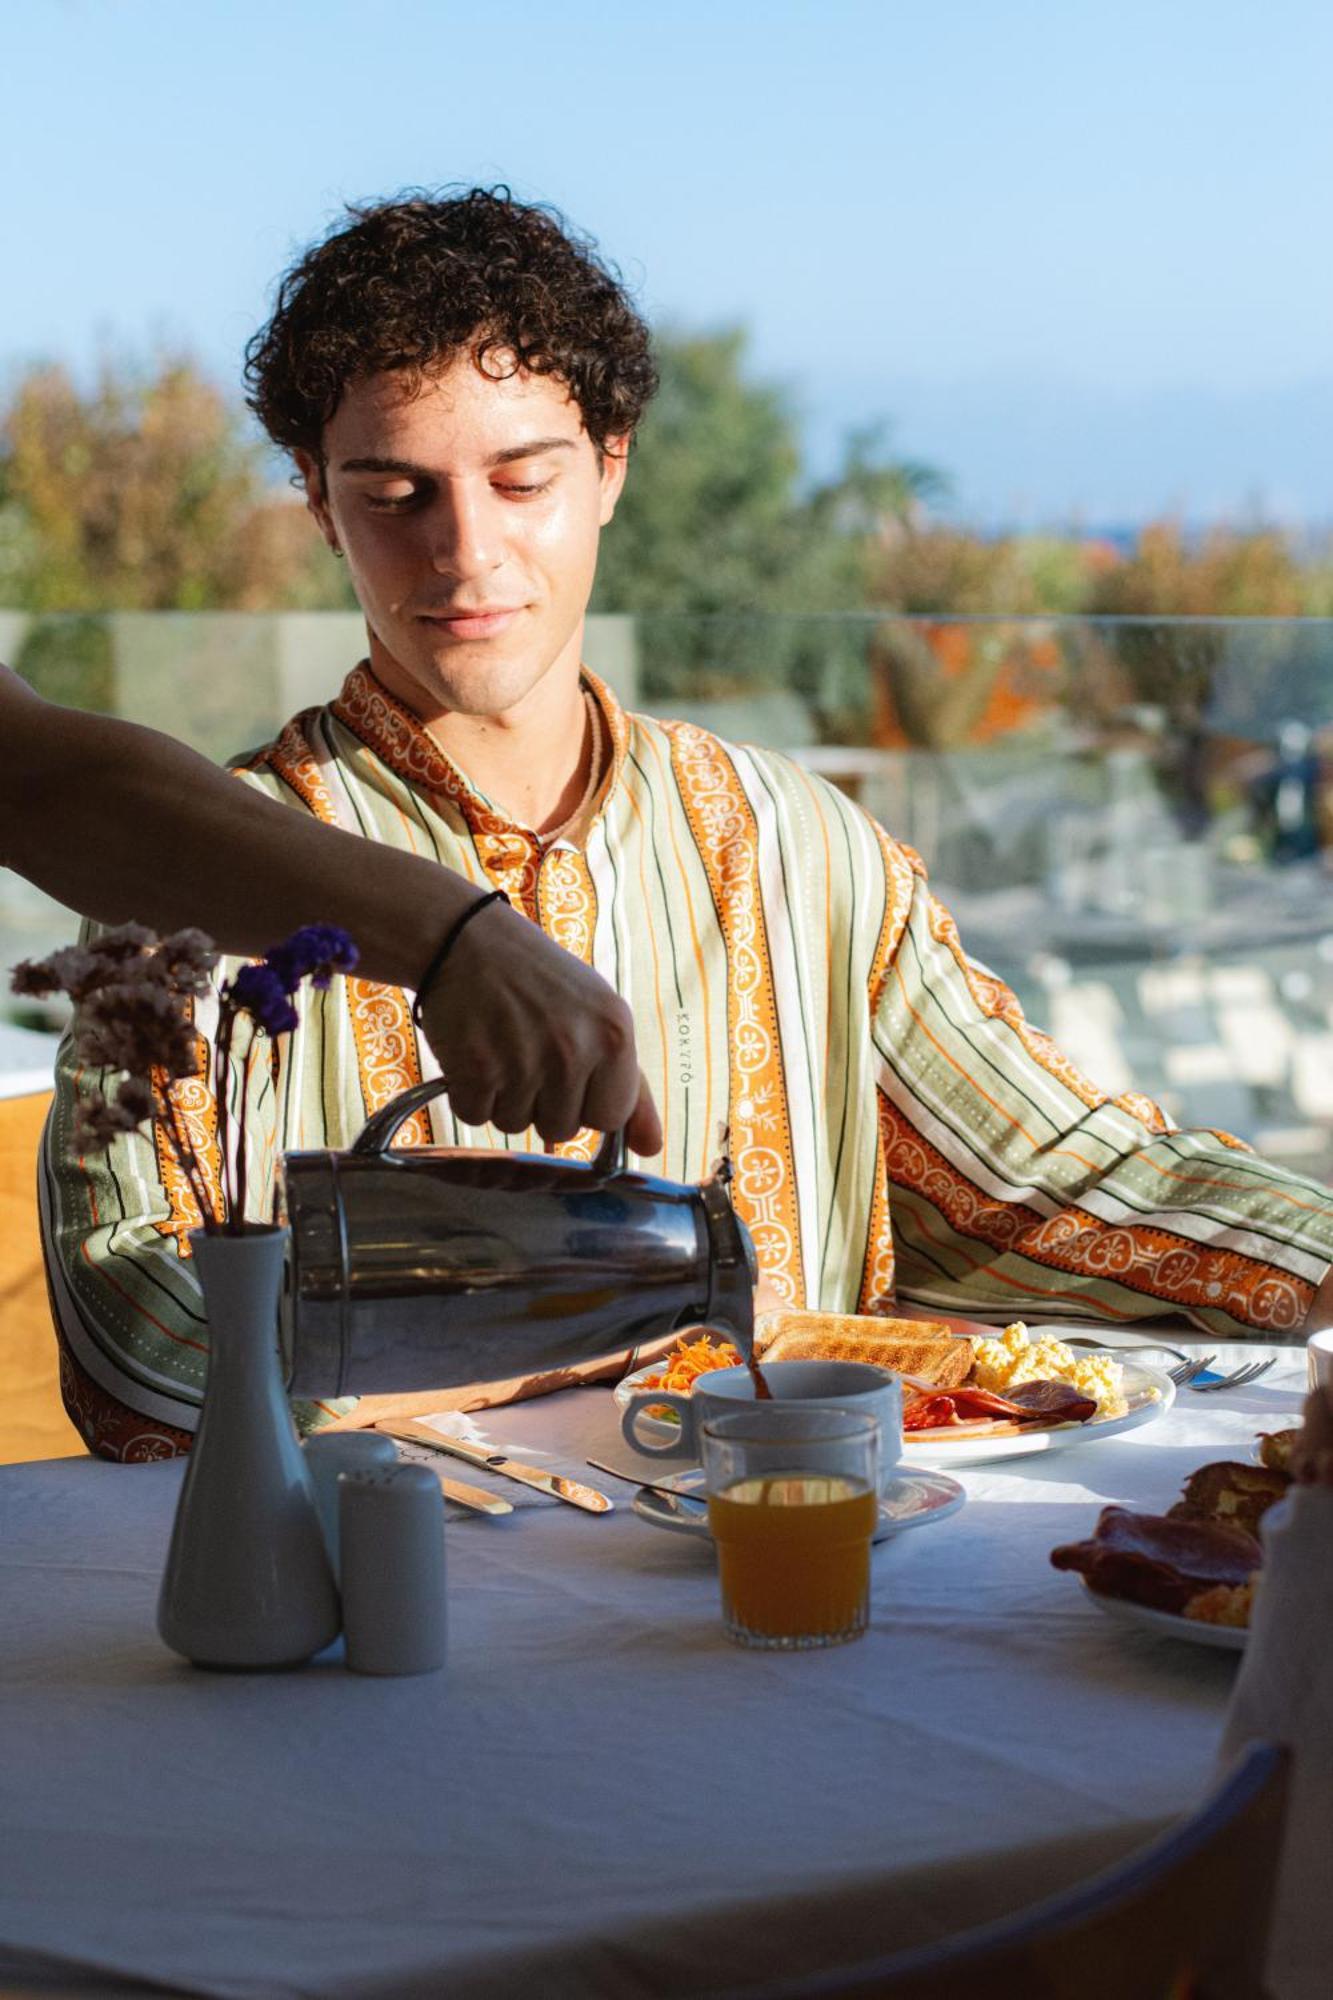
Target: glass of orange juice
(792,1503)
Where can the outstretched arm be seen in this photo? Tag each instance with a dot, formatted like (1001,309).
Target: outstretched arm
(1017,1185)
(124,823)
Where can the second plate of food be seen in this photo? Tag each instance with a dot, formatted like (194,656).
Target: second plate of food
(1146,1392)
(1170,1624)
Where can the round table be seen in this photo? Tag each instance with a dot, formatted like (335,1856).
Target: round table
(598,1794)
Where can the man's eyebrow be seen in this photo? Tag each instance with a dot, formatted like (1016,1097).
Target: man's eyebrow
(406,469)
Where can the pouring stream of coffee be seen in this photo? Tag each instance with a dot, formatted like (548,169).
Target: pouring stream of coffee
(723,1172)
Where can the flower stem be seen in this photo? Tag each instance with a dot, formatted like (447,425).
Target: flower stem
(221,1079)
(238,1219)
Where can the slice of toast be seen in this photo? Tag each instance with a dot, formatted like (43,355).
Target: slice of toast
(923,1347)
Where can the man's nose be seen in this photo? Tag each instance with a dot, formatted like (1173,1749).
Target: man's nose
(465,537)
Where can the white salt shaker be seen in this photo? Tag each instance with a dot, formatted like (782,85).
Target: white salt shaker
(329,1453)
(392,1531)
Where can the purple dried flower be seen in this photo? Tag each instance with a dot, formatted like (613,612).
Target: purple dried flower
(315,952)
(258,991)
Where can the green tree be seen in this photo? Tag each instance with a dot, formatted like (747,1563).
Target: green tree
(146,492)
(714,534)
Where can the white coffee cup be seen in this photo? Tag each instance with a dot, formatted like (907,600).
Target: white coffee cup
(1319,1359)
(833,1385)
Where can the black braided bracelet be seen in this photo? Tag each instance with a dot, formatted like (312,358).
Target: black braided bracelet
(451,937)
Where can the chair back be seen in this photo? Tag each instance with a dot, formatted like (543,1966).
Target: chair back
(1186,1919)
(33,1423)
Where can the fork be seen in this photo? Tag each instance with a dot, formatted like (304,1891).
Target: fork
(1187,1365)
(1251,1372)
(1131,1347)
(1187,1372)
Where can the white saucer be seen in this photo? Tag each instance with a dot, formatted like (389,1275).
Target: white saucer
(914,1498)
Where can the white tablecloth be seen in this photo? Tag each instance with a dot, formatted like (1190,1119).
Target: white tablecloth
(599,1795)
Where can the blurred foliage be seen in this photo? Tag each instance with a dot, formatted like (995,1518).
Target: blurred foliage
(930,569)
(149,491)
(714,525)
(146,492)
(71,659)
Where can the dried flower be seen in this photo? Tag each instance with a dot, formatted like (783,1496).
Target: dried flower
(188,957)
(135,1096)
(136,1026)
(259,992)
(77,970)
(99,1121)
(124,941)
(315,952)
(133,994)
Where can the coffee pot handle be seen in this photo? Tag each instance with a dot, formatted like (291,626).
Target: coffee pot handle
(381,1128)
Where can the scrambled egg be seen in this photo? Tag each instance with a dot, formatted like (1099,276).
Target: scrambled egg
(1224,1604)
(1015,1357)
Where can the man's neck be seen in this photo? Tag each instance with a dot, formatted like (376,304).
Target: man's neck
(532,762)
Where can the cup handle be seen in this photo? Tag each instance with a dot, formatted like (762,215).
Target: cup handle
(646,1399)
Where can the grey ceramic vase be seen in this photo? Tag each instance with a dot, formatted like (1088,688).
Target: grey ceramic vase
(248,1582)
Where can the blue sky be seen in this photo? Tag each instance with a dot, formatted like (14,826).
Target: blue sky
(1077,254)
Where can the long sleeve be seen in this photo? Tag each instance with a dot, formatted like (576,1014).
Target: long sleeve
(1016,1184)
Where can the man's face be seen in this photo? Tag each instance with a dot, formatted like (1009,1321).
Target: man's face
(469,515)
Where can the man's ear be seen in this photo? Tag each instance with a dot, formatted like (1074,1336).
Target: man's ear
(615,465)
(311,470)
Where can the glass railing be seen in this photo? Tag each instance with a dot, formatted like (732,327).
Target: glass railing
(1132,820)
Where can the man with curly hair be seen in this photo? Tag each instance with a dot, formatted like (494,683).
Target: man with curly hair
(458,380)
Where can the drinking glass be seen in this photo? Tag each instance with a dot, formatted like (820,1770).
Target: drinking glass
(792,1503)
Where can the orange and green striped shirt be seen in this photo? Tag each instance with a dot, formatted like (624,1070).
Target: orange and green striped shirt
(896,1125)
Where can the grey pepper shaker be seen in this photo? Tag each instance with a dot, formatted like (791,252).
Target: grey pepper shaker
(330,1453)
(391,1525)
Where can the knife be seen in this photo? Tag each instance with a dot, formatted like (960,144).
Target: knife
(472,1497)
(571,1490)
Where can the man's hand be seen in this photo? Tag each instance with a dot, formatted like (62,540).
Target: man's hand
(526,1034)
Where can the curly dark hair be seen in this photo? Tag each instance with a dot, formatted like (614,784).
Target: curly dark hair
(411,283)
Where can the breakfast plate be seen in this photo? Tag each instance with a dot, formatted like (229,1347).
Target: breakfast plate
(1148,1392)
(1168,1625)
(1148,1395)
(913,1499)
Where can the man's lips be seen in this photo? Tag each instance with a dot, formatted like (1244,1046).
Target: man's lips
(479,624)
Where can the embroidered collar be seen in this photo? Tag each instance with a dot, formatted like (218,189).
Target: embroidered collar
(402,742)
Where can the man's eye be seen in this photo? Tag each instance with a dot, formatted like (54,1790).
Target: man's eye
(393,500)
(523,492)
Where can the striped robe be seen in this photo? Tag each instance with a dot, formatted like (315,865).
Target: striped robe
(895,1122)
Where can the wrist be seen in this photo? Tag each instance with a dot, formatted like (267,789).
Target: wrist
(445,946)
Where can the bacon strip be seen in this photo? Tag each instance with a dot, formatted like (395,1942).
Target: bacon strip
(1032,1403)
(1155,1560)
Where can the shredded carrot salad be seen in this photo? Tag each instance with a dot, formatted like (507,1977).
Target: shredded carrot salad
(690,1359)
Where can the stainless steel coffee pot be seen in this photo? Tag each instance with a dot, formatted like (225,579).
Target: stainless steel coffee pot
(430,1267)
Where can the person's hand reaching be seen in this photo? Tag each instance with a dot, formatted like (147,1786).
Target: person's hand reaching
(527,1034)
